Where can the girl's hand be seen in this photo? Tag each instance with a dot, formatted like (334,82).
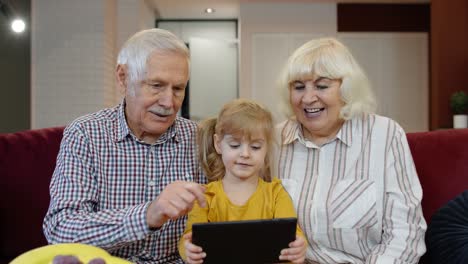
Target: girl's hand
(296,251)
(194,253)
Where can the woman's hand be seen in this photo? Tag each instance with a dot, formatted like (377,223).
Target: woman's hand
(296,251)
(194,253)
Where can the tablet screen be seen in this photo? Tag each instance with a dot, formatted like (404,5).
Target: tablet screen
(249,241)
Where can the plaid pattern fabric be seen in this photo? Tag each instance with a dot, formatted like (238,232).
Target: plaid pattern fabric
(105,179)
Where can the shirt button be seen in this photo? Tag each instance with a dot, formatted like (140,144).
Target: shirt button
(152,183)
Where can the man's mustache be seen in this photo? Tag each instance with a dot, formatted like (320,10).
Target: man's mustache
(162,111)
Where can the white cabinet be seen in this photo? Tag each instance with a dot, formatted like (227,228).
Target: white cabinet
(397,66)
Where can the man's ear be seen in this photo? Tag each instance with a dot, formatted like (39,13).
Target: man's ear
(217,143)
(121,78)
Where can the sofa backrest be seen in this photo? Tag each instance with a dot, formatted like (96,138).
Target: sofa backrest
(441,159)
(27,161)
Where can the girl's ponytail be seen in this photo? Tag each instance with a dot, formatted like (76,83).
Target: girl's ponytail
(211,161)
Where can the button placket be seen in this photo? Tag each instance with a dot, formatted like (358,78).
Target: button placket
(151,181)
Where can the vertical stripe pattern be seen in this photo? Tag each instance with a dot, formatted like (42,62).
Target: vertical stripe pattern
(358,196)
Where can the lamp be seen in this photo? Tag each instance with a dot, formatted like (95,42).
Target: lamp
(17,24)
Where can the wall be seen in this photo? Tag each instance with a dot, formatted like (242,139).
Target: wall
(131,16)
(319,18)
(213,70)
(397,63)
(15,60)
(449,57)
(448,42)
(74,53)
(397,66)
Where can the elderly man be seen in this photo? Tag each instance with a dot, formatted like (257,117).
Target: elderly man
(126,176)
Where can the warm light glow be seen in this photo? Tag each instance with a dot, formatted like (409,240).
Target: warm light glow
(18,25)
(209,10)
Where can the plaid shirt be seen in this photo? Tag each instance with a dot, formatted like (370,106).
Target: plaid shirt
(105,179)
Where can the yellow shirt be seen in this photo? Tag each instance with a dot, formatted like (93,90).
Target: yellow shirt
(270,200)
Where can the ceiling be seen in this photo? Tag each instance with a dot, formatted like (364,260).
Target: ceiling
(226,9)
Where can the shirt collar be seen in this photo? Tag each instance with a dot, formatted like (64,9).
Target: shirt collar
(345,133)
(292,131)
(123,131)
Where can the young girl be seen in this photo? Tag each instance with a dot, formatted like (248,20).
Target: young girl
(235,152)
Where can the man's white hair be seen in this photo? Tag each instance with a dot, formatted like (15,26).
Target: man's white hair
(137,50)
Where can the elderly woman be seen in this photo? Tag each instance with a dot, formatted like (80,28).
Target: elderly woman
(349,172)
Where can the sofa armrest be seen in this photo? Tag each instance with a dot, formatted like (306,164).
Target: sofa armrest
(441,159)
(27,161)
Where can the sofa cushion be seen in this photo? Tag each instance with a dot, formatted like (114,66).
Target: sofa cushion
(441,159)
(27,161)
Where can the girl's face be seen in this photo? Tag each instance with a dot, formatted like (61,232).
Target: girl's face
(317,104)
(243,158)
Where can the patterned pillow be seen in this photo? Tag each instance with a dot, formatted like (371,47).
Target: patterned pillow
(447,234)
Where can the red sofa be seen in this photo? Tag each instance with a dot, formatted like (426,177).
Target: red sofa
(27,160)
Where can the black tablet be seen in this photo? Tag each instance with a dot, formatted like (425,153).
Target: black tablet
(250,241)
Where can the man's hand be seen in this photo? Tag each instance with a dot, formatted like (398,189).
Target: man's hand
(176,200)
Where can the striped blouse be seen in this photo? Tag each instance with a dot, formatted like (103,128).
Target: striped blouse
(358,196)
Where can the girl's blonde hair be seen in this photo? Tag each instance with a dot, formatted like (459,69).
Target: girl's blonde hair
(242,118)
(327,57)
